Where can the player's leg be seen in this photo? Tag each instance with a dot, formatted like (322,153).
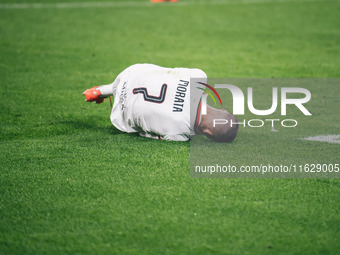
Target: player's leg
(105,90)
(98,93)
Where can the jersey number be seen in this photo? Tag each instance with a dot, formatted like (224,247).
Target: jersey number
(153,99)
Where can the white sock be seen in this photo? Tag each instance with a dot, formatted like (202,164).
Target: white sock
(106,90)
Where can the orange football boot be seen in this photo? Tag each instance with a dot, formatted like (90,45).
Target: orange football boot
(93,94)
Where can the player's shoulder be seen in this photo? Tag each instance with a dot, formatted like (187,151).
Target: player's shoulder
(199,73)
(193,72)
(140,66)
(146,67)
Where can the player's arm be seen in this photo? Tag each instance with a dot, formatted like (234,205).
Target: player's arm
(98,93)
(179,138)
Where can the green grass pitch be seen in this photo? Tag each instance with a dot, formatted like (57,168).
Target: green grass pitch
(70,183)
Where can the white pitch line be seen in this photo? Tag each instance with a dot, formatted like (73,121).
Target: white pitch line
(323,138)
(136,4)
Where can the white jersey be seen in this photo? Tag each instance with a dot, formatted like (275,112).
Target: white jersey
(155,101)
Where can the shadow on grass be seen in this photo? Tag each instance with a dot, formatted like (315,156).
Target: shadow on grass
(57,127)
(97,127)
(86,125)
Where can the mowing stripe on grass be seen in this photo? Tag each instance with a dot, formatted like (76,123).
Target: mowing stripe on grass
(323,138)
(136,4)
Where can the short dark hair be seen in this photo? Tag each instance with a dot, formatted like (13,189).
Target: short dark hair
(226,133)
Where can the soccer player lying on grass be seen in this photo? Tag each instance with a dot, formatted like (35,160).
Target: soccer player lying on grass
(156,102)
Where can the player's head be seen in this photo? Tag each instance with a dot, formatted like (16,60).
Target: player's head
(219,125)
